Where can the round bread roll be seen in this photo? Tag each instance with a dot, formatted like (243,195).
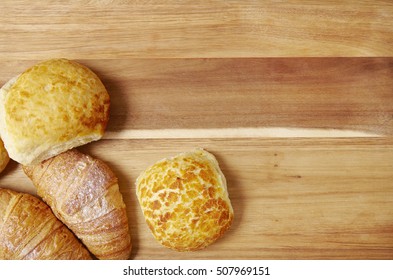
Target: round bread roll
(4,158)
(52,107)
(185,201)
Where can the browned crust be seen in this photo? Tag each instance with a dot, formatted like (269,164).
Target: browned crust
(29,230)
(184,201)
(83,192)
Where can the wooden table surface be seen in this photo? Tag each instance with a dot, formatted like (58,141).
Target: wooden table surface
(295,99)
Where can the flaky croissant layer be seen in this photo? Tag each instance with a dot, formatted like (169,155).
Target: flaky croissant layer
(29,230)
(84,194)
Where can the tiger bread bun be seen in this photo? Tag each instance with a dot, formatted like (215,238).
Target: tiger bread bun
(4,158)
(52,107)
(185,200)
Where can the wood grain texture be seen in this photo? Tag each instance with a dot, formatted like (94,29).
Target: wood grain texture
(119,29)
(292,198)
(295,99)
(323,93)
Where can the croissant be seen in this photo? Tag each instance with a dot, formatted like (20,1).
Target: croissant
(84,194)
(29,230)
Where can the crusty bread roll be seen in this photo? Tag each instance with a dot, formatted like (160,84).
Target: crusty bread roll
(52,107)
(29,230)
(4,158)
(185,200)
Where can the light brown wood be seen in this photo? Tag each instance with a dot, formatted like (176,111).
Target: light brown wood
(119,29)
(307,93)
(295,99)
(292,198)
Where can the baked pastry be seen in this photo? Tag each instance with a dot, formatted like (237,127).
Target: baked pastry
(29,230)
(52,107)
(185,200)
(84,194)
(4,158)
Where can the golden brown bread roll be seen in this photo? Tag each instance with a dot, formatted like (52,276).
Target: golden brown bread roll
(29,230)
(4,158)
(185,200)
(84,194)
(54,106)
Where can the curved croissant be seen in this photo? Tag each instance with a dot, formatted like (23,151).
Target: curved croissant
(29,230)
(84,194)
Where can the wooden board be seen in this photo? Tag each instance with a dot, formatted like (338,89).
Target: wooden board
(295,100)
(118,29)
